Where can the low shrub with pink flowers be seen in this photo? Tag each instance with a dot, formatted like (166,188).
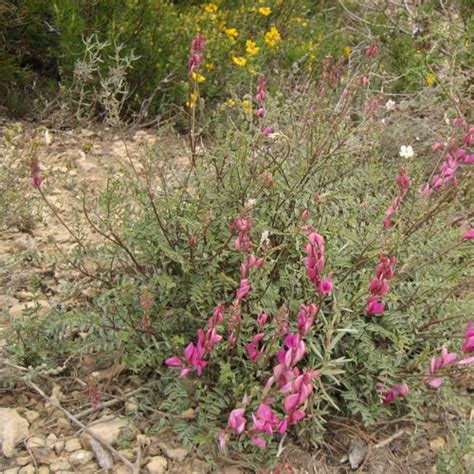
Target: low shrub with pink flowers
(294,269)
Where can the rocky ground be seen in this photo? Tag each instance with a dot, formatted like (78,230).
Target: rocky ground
(58,430)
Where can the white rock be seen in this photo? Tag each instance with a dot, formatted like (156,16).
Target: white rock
(23,460)
(31,415)
(51,440)
(157,465)
(78,458)
(109,430)
(12,470)
(28,469)
(73,444)
(13,429)
(58,447)
(60,465)
(35,442)
(43,470)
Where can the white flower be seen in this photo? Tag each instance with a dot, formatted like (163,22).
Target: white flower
(47,137)
(390,105)
(264,240)
(250,203)
(406,151)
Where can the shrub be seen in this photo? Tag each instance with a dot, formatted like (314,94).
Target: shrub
(293,269)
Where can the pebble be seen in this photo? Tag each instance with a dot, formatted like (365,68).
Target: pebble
(80,457)
(157,465)
(73,444)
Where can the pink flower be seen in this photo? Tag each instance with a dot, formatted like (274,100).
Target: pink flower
(468,344)
(325,286)
(237,421)
(375,307)
(267,131)
(396,392)
(259,441)
(174,361)
(262,319)
(304,215)
(264,420)
(469,234)
(261,112)
(36,178)
(378,287)
(252,348)
(306,318)
(243,289)
(437,146)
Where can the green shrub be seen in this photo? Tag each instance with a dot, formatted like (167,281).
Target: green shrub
(312,163)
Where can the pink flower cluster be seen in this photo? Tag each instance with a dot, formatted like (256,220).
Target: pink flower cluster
(448,358)
(455,155)
(260,98)
(396,392)
(315,264)
(36,178)
(194,354)
(197,53)
(287,379)
(373,49)
(241,227)
(245,287)
(265,421)
(403,182)
(379,285)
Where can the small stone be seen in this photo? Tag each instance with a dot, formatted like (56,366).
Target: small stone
(51,440)
(23,460)
(63,424)
(358,451)
(60,465)
(35,442)
(12,470)
(31,415)
(28,469)
(43,470)
(437,443)
(109,431)
(73,444)
(13,429)
(81,457)
(59,446)
(157,465)
(44,455)
(177,454)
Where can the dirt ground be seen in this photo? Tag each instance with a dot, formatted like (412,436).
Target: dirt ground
(50,440)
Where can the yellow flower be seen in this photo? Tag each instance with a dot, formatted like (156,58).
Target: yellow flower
(230,102)
(272,37)
(265,11)
(214,17)
(347,51)
(251,48)
(301,21)
(211,7)
(210,66)
(430,80)
(232,34)
(239,61)
(247,106)
(191,103)
(197,77)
